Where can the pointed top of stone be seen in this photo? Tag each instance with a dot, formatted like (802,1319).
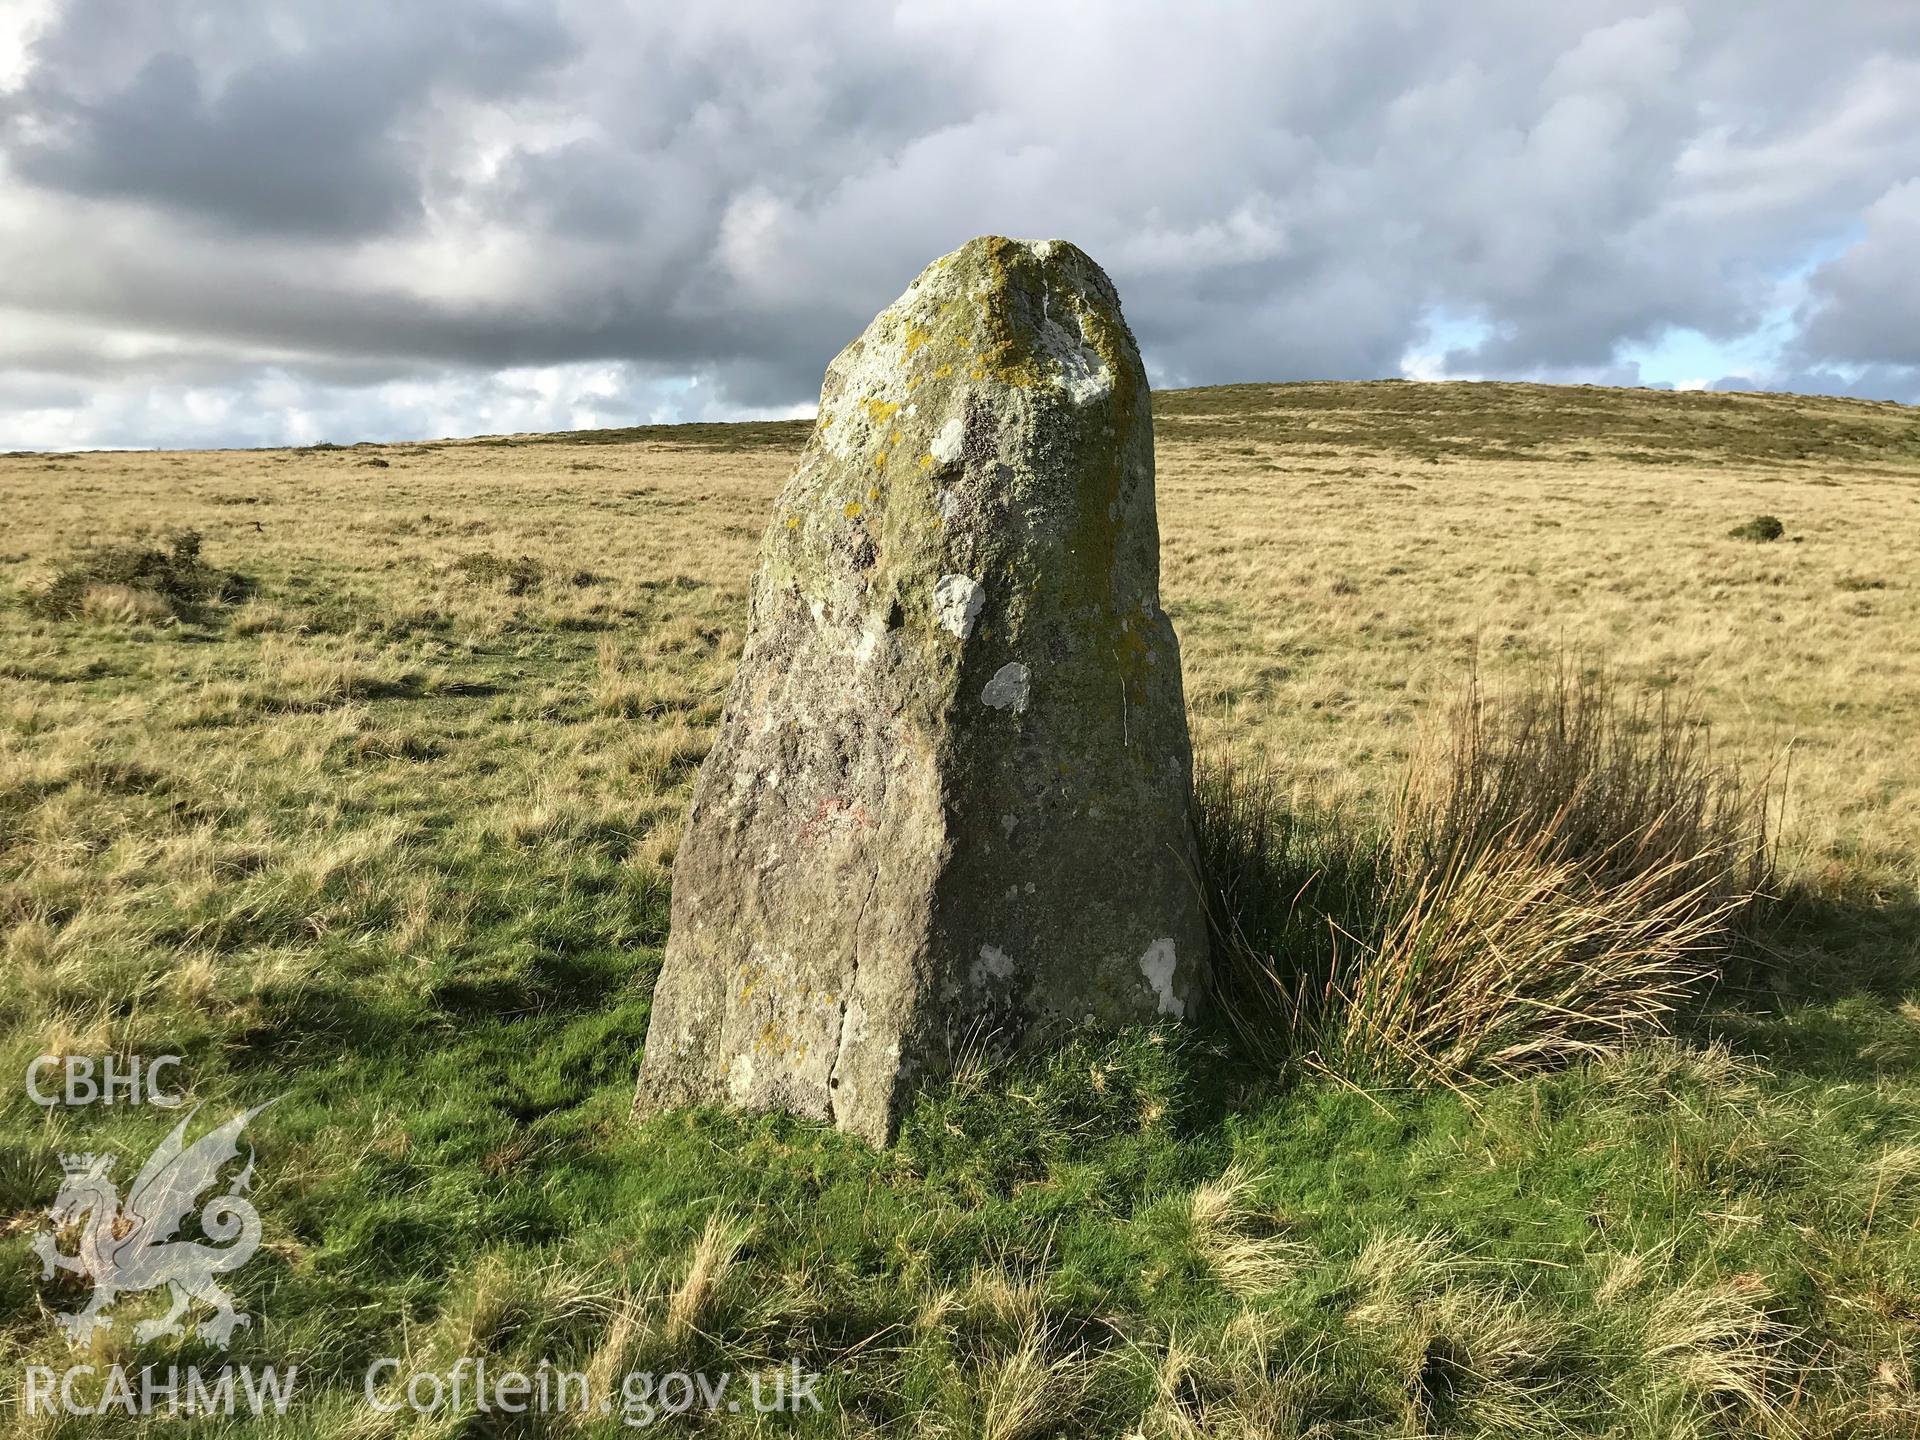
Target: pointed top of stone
(1032,315)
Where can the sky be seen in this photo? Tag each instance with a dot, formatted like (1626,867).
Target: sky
(284,221)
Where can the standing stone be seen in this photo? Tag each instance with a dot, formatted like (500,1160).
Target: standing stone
(948,801)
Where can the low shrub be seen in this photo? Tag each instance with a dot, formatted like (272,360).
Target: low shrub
(145,579)
(519,574)
(1761,527)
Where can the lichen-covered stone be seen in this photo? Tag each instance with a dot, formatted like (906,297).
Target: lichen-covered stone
(948,802)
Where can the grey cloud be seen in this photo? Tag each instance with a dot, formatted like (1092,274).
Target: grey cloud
(320,140)
(1865,304)
(349,194)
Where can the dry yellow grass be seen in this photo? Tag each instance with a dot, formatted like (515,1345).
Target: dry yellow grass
(466,697)
(1332,567)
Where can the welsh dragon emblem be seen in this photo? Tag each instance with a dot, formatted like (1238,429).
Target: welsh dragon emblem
(129,1246)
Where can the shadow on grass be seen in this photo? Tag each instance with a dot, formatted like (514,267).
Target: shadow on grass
(1823,990)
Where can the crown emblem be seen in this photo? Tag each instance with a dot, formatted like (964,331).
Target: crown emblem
(84,1162)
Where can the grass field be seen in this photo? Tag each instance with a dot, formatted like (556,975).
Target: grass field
(388,828)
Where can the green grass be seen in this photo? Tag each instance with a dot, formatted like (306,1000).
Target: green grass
(393,840)
(455,1140)
(430,1138)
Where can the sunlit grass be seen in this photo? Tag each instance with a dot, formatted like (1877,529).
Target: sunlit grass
(390,831)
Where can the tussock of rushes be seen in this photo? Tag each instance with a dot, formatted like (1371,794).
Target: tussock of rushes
(698,1295)
(1222,1223)
(1511,960)
(1625,787)
(1562,868)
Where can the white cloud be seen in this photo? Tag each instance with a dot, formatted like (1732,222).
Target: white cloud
(403,213)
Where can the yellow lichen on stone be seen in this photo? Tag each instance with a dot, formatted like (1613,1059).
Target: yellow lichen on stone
(853,510)
(916,337)
(751,975)
(881,410)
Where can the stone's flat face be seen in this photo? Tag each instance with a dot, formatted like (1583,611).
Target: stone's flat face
(948,800)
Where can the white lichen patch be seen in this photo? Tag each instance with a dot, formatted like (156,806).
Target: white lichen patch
(740,1077)
(946,444)
(993,964)
(956,604)
(1083,374)
(1158,965)
(1008,689)
(867,390)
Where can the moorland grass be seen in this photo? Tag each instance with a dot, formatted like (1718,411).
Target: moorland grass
(395,842)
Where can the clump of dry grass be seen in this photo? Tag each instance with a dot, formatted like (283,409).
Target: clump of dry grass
(1562,869)
(1031,1389)
(714,1254)
(123,605)
(1230,1383)
(1623,786)
(1226,1234)
(1712,1341)
(1470,1350)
